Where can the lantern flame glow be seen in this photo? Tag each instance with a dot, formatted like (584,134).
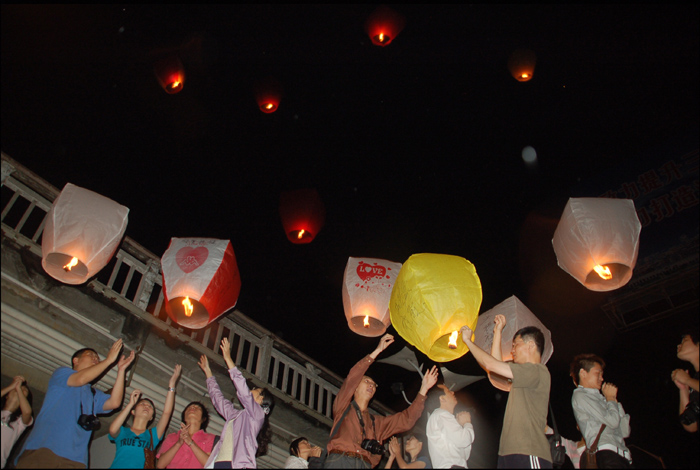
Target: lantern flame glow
(301,233)
(366,321)
(189,308)
(71,264)
(452,343)
(603,272)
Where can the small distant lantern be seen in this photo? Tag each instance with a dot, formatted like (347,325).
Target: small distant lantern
(201,281)
(302,213)
(82,232)
(517,316)
(268,95)
(597,241)
(433,297)
(383,25)
(367,285)
(522,64)
(170,74)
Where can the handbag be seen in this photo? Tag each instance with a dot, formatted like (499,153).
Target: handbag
(149,453)
(555,444)
(588,459)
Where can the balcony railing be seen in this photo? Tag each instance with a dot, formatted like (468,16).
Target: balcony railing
(133,280)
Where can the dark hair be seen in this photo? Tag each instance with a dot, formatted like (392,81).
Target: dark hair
(531,333)
(585,362)
(294,446)
(153,418)
(268,403)
(693,336)
(78,353)
(432,402)
(205,414)
(423,439)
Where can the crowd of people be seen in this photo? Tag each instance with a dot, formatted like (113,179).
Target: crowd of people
(60,436)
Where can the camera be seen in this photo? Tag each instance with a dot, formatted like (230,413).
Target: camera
(690,415)
(89,422)
(373,446)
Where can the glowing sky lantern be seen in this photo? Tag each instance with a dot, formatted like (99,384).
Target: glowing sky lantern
(522,64)
(303,214)
(434,296)
(201,281)
(268,94)
(367,285)
(383,25)
(517,316)
(597,241)
(170,74)
(82,232)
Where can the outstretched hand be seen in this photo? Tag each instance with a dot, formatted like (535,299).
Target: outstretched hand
(466,334)
(125,361)
(429,379)
(134,397)
(384,343)
(204,365)
(113,353)
(499,323)
(226,352)
(175,376)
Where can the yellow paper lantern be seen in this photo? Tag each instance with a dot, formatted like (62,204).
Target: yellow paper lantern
(367,285)
(597,241)
(83,231)
(433,297)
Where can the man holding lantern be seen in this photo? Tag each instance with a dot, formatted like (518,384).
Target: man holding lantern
(523,444)
(357,435)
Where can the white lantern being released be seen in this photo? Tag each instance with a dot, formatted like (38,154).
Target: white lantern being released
(367,285)
(517,316)
(83,230)
(597,241)
(201,281)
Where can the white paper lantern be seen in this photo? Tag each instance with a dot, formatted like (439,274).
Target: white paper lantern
(367,285)
(201,281)
(82,232)
(517,316)
(597,241)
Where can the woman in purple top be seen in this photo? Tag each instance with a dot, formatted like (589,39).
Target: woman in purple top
(247,431)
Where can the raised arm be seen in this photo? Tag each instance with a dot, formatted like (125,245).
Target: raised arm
(169,403)
(89,374)
(115,399)
(484,359)
(121,417)
(384,343)
(499,323)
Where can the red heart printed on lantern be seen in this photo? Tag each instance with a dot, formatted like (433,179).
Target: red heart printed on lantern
(365,271)
(189,259)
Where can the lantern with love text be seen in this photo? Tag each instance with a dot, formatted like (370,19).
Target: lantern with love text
(170,74)
(201,281)
(433,297)
(268,94)
(367,284)
(597,241)
(83,229)
(517,316)
(383,25)
(302,213)
(522,64)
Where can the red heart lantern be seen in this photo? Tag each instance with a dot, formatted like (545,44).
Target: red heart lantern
(201,281)
(302,214)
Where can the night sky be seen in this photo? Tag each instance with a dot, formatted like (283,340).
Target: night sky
(414,148)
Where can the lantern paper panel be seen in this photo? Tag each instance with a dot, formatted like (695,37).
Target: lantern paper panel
(433,297)
(82,232)
(597,241)
(268,94)
(367,285)
(522,64)
(170,74)
(201,281)
(517,316)
(303,215)
(383,25)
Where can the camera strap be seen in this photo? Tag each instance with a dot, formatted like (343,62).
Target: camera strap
(92,401)
(362,422)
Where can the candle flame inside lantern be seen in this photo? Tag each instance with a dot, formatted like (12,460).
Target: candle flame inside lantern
(69,266)
(524,75)
(603,272)
(381,37)
(301,233)
(452,343)
(189,308)
(366,322)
